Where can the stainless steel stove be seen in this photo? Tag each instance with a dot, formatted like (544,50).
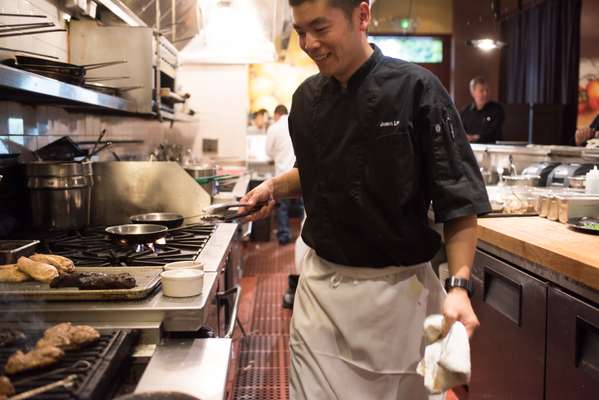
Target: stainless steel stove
(92,247)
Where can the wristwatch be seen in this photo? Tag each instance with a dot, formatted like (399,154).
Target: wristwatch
(453,282)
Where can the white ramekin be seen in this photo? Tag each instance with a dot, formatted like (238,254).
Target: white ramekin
(183,265)
(185,282)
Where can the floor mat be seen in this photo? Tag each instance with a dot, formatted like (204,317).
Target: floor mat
(263,356)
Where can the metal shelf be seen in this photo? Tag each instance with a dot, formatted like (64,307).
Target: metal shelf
(37,86)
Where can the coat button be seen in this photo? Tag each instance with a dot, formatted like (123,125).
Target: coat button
(335,281)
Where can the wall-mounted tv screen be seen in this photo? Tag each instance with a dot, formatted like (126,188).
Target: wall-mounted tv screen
(416,49)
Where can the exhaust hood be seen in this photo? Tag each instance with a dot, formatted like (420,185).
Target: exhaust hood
(238,32)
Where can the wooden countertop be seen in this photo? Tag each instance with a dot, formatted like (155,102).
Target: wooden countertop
(547,243)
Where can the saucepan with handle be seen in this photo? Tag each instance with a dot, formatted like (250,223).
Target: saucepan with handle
(143,233)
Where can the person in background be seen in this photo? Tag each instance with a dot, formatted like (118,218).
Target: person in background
(280,149)
(259,122)
(483,119)
(376,139)
(586,133)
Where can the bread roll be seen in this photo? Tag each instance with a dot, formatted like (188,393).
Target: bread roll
(11,273)
(37,270)
(62,264)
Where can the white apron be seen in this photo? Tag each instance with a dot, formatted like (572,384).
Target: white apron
(356,333)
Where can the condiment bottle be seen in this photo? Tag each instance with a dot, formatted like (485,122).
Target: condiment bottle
(592,181)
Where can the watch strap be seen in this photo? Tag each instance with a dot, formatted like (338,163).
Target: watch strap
(455,282)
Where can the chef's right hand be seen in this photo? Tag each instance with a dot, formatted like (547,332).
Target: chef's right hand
(264,192)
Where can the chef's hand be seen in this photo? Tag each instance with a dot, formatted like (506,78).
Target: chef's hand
(472,138)
(457,307)
(584,134)
(261,193)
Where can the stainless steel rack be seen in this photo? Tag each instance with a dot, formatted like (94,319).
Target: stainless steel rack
(55,91)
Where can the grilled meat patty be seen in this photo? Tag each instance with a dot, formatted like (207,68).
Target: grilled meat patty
(36,358)
(72,279)
(94,281)
(66,336)
(108,281)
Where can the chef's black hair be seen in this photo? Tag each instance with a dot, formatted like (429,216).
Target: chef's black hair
(346,5)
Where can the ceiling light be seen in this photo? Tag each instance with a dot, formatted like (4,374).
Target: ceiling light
(485,44)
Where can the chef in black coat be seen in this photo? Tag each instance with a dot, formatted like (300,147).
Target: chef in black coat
(483,119)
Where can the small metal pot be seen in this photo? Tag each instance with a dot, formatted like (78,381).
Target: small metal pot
(59,194)
(522,180)
(203,171)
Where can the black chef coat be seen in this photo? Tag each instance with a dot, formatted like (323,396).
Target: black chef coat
(595,124)
(373,155)
(486,122)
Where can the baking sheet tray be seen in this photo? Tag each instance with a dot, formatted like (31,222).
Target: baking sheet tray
(501,215)
(147,279)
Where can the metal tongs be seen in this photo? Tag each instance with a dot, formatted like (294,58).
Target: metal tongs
(67,382)
(79,366)
(219,211)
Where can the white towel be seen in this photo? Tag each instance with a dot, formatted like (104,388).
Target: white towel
(446,361)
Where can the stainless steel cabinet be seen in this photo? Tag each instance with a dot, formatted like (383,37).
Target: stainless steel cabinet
(572,348)
(508,351)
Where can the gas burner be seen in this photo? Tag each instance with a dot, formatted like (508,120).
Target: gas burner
(92,247)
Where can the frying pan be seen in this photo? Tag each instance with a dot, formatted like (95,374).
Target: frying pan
(214,212)
(168,219)
(136,233)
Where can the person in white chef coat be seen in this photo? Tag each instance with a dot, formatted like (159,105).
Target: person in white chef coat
(280,149)
(376,141)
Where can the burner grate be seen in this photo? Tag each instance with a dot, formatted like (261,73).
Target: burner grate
(92,247)
(105,356)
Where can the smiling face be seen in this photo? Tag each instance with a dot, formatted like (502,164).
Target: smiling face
(335,41)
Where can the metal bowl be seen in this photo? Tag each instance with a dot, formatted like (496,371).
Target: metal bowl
(522,180)
(168,219)
(136,233)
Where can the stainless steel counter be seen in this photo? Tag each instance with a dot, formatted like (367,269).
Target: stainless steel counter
(195,367)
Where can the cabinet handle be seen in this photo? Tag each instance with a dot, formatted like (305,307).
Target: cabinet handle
(587,347)
(502,294)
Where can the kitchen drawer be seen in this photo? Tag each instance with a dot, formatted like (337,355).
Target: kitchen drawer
(572,348)
(508,351)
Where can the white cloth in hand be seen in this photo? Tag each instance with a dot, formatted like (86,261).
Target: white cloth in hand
(446,361)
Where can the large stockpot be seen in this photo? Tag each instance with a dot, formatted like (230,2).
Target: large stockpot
(59,194)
